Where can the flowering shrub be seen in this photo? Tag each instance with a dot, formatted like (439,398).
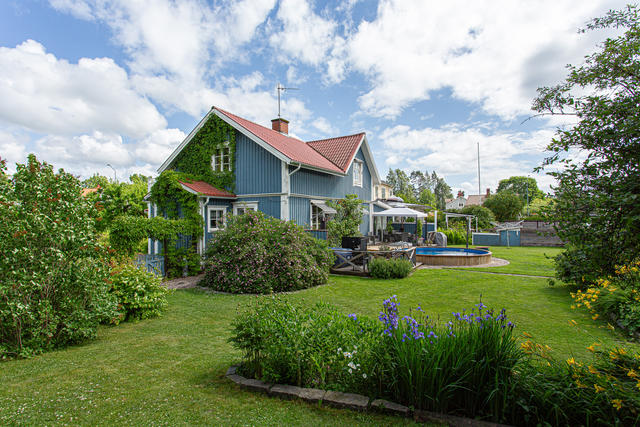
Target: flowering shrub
(382,268)
(140,294)
(310,346)
(463,366)
(603,392)
(260,254)
(54,288)
(615,297)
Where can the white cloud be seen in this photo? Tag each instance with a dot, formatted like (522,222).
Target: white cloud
(156,148)
(491,53)
(49,95)
(452,151)
(303,35)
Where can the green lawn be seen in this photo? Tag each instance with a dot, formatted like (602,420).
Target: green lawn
(170,370)
(532,261)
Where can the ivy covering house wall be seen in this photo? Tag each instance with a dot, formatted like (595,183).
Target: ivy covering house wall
(194,164)
(195,159)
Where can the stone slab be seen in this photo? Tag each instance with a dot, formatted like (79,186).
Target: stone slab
(312,395)
(236,378)
(346,400)
(256,385)
(284,391)
(232,370)
(390,407)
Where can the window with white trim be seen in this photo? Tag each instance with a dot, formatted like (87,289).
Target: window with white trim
(241,208)
(217,217)
(357,173)
(221,159)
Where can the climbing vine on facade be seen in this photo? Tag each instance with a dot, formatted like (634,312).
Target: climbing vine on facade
(195,158)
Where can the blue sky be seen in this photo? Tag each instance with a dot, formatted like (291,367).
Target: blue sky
(84,83)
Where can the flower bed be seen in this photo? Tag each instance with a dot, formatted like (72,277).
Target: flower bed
(470,366)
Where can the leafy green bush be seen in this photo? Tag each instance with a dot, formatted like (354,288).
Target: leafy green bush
(54,289)
(551,392)
(315,346)
(382,268)
(616,297)
(260,254)
(140,294)
(346,222)
(455,236)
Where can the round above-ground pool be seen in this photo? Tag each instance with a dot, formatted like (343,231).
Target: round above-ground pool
(452,256)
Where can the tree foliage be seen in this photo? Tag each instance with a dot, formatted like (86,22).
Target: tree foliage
(505,205)
(54,287)
(418,187)
(485,216)
(598,197)
(346,222)
(114,199)
(525,187)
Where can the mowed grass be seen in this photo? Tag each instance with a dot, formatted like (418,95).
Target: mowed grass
(170,370)
(534,261)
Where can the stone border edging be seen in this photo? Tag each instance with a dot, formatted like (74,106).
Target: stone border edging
(349,401)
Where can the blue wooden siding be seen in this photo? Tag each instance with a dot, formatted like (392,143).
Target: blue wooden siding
(313,183)
(257,170)
(300,211)
(269,205)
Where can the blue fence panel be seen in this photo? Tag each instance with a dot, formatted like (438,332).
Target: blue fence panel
(151,263)
(318,234)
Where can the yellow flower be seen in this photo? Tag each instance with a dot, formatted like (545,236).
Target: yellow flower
(610,326)
(580,385)
(573,306)
(598,388)
(592,369)
(622,351)
(527,335)
(595,316)
(638,384)
(617,403)
(632,373)
(592,347)
(571,361)
(573,322)
(613,355)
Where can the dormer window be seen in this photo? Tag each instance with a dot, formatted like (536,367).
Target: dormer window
(221,159)
(357,173)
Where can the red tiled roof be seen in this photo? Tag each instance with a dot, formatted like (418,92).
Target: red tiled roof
(87,191)
(340,150)
(293,148)
(205,189)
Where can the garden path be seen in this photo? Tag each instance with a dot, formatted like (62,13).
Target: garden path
(183,282)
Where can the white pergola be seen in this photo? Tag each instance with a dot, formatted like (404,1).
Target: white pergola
(404,212)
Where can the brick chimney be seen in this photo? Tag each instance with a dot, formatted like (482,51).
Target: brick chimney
(280,125)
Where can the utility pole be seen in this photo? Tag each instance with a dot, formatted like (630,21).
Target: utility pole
(479,187)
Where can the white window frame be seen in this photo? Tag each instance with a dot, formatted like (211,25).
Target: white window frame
(210,209)
(358,172)
(244,205)
(222,157)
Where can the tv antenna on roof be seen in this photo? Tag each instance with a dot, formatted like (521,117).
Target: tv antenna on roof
(281,88)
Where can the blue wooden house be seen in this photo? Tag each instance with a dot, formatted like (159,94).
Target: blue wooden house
(277,174)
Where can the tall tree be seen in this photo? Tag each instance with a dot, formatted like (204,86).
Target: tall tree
(505,205)
(598,198)
(441,190)
(525,187)
(401,184)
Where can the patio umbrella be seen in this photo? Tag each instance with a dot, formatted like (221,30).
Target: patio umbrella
(403,212)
